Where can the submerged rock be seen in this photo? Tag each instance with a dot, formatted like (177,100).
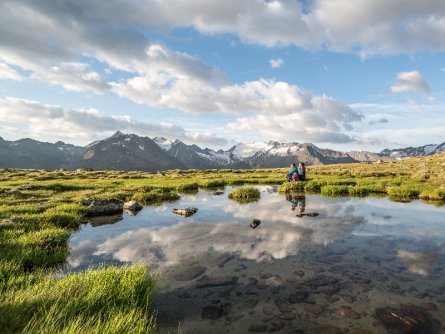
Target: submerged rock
(298,297)
(211,312)
(132,206)
(187,212)
(346,312)
(257,328)
(267,281)
(190,273)
(255,223)
(327,329)
(103,206)
(206,282)
(314,308)
(405,319)
(319,281)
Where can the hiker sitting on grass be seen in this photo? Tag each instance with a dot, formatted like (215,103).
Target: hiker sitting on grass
(301,170)
(292,175)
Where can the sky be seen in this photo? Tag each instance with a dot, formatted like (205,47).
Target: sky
(342,74)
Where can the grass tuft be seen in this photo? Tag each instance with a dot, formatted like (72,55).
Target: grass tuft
(245,193)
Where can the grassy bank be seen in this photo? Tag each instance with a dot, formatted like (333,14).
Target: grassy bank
(39,210)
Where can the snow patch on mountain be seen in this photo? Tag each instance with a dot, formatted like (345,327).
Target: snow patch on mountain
(220,157)
(163,143)
(243,151)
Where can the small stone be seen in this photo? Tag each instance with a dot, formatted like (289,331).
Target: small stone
(269,281)
(190,273)
(346,312)
(268,309)
(288,316)
(221,260)
(404,319)
(206,281)
(327,329)
(132,206)
(187,212)
(211,312)
(347,298)
(185,295)
(299,273)
(292,280)
(250,303)
(314,308)
(298,297)
(319,281)
(276,326)
(282,305)
(257,328)
(234,317)
(255,223)
(429,306)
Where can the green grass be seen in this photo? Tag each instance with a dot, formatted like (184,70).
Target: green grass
(36,223)
(245,193)
(335,190)
(108,300)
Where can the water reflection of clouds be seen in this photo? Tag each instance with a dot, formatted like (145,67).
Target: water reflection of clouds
(420,263)
(222,226)
(280,235)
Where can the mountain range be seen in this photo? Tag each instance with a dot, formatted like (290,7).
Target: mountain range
(133,152)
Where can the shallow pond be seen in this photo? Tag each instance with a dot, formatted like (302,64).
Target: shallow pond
(314,264)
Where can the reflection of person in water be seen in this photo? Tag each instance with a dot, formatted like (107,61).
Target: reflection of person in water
(299,201)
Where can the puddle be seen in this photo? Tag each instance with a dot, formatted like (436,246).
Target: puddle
(313,264)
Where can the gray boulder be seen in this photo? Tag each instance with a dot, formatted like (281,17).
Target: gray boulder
(102,206)
(132,206)
(187,212)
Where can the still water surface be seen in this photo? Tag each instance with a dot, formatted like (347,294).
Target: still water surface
(313,265)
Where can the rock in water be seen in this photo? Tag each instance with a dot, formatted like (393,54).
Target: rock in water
(211,312)
(190,273)
(187,212)
(255,223)
(132,206)
(405,319)
(101,206)
(206,282)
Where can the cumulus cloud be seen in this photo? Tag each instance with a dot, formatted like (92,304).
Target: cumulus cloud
(45,121)
(276,62)
(410,82)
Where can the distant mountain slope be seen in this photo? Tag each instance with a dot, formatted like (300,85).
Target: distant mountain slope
(133,152)
(29,153)
(127,152)
(414,151)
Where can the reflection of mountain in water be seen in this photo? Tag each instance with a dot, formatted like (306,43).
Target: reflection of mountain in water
(280,235)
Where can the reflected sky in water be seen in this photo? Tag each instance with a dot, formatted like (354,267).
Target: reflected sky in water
(159,238)
(372,247)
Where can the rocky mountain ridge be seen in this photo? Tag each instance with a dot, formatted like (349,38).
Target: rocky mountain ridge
(132,152)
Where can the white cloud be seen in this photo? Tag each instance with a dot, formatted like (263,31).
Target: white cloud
(276,62)
(7,72)
(410,82)
(49,122)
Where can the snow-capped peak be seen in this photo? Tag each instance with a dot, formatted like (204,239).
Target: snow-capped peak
(163,143)
(243,151)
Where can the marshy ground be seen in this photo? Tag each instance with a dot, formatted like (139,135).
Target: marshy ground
(39,210)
